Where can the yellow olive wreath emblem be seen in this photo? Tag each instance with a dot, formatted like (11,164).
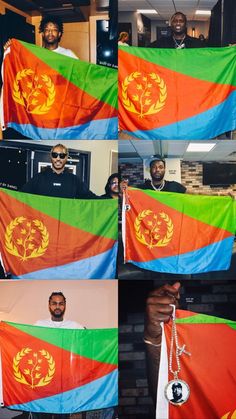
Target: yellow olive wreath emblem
(36,93)
(138,91)
(229,415)
(151,236)
(32,375)
(24,242)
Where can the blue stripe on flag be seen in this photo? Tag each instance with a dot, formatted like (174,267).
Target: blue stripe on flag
(215,257)
(101,129)
(102,266)
(98,394)
(217,120)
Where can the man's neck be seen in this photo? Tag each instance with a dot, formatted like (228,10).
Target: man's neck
(157,182)
(58,172)
(55,319)
(51,47)
(179,36)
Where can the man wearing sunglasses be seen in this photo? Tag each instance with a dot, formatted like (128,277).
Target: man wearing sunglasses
(57,180)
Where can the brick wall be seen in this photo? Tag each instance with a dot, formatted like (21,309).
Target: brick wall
(209,297)
(191,177)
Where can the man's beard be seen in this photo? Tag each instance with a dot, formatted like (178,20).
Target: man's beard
(57,315)
(158,178)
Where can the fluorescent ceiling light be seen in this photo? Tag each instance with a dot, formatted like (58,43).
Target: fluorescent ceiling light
(203,12)
(148,11)
(198,147)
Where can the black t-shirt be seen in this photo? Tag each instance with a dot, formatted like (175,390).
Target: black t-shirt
(168,42)
(170,186)
(63,185)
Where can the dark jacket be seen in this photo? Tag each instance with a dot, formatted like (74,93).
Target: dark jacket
(63,185)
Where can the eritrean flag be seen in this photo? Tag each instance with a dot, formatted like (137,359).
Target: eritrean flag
(50,96)
(58,370)
(45,237)
(210,370)
(178,233)
(177,94)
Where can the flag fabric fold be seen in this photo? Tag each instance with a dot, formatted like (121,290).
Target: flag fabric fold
(178,233)
(58,370)
(46,237)
(209,371)
(48,96)
(171,94)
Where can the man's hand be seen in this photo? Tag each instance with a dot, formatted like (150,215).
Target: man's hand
(158,310)
(7,44)
(123,185)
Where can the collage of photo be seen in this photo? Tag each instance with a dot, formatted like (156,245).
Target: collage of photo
(118,209)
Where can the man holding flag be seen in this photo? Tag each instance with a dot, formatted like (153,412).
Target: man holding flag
(184,353)
(57,181)
(57,308)
(179,38)
(52,30)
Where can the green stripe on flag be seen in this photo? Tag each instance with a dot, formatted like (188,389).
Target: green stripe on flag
(217,65)
(205,319)
(98,344)
(204,208)
(98,81)
(96,216)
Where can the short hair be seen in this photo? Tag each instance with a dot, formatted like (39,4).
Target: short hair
(179,13)
(122,36)
(176,385)
(51,19)
(57,293)
(157,159)
(61,146)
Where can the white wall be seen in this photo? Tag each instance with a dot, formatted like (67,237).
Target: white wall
(91,303)
(130,17)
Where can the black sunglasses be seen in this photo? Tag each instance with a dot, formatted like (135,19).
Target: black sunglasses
(61,155)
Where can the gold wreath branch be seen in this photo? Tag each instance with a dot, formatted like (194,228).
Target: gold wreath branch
(141,238)
(12,249)
(169,233)
(51,369)
(21,378)
(16,370)
(155,107)
(19,97)
(137,225)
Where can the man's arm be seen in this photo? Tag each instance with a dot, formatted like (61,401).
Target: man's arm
(157,310)
(84,193)
(30,186)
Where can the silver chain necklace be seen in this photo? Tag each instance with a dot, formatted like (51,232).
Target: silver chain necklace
(179,45)
(176,391)
(160,187)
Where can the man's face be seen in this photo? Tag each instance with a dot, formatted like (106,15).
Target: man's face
(58,159)
(51,34)
(157,170)
(177,393)
(114,185)
(57,307)
(178,25)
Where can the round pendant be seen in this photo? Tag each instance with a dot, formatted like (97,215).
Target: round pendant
(177,392)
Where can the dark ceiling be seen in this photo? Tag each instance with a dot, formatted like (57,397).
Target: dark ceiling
(67,10)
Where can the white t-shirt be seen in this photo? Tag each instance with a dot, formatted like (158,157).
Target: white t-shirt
(64,324)
(65,51)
